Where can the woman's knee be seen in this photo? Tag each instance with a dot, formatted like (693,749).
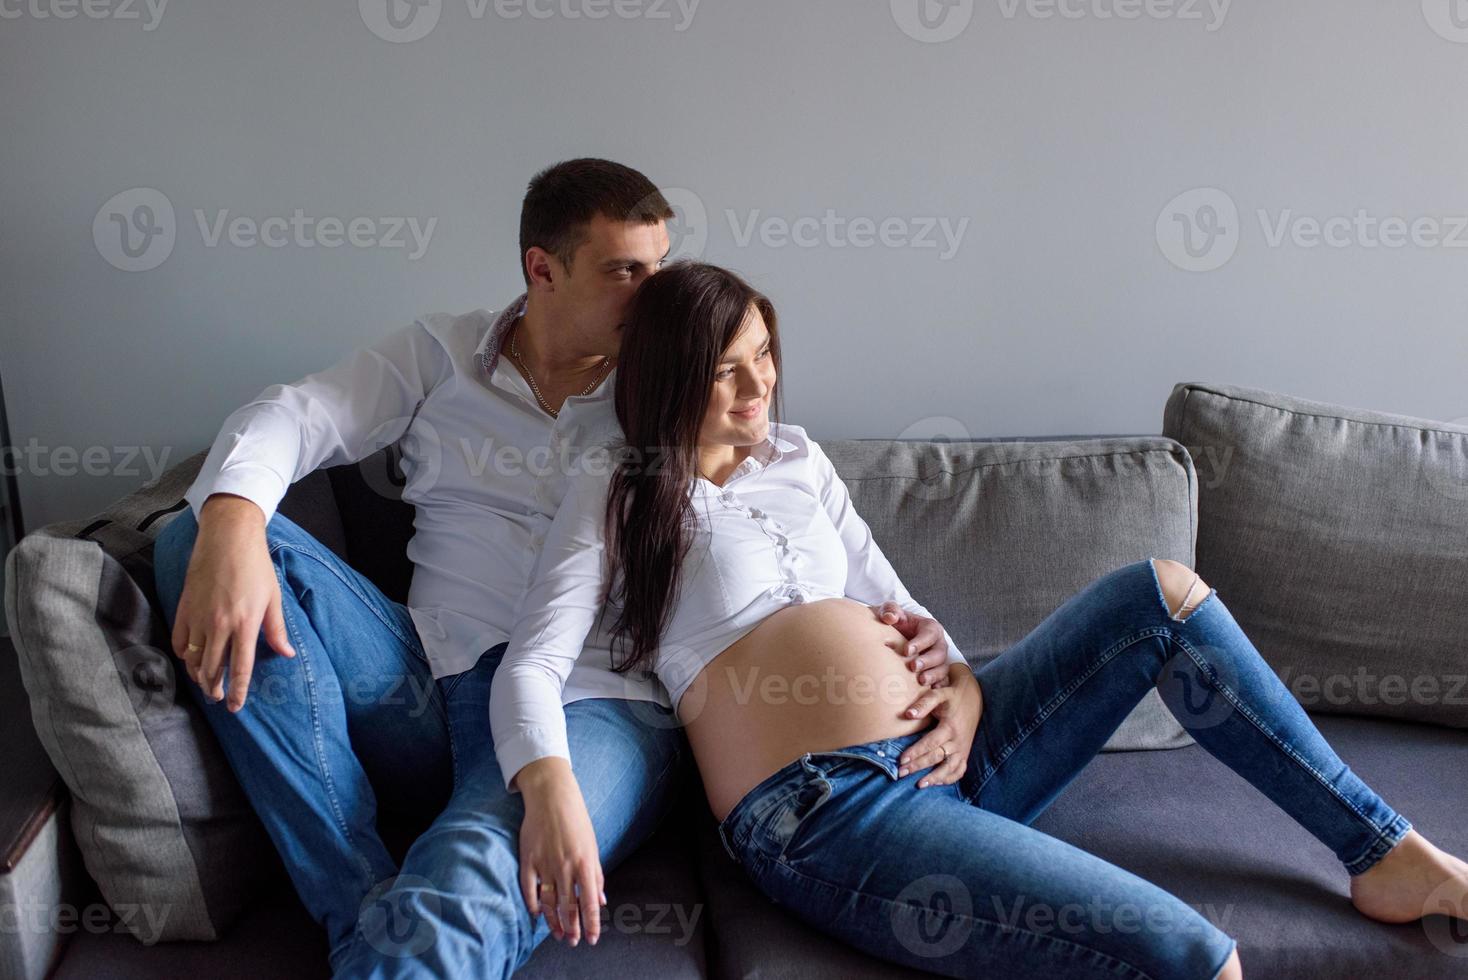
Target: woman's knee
(1182,588)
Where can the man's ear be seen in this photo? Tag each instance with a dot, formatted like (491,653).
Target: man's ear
(541,267)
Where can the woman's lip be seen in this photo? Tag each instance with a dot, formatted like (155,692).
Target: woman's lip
(748,413)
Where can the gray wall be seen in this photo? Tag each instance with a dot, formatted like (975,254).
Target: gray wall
(1071,304)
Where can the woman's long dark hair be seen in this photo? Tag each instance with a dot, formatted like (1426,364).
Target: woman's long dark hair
(682,322)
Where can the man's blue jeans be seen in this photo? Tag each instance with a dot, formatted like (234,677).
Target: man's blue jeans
(355,720)
(953,880)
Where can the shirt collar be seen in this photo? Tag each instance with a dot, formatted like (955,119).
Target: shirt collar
(762,455)
(776,444)
(488,352)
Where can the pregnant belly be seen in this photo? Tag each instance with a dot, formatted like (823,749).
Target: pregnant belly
(810,678)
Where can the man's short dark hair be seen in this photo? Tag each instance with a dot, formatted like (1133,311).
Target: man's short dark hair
(563,199)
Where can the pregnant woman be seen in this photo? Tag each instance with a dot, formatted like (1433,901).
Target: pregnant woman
(883,797)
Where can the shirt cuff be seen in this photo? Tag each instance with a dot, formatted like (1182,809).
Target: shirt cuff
(259,484)
(525,747)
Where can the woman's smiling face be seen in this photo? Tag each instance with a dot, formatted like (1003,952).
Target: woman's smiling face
(744,381)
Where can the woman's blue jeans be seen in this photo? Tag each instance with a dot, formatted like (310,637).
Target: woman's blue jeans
(843,843)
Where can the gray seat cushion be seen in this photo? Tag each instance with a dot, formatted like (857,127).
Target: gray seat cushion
(1338,538)
(655,926)
(993,536)
(1187,823)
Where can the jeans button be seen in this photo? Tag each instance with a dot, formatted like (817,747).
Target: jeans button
(882,752)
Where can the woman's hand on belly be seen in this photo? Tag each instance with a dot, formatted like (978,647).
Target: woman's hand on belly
(957,708)
(927,648)
(812,677)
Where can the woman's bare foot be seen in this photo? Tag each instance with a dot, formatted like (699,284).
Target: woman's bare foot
(1415,879)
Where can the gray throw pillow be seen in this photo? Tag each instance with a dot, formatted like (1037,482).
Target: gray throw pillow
(161,822)
(1340,538)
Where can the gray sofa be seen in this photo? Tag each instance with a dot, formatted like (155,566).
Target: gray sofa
(1338,538)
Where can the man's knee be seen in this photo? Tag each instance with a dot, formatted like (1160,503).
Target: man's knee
(1182,587)
(171,552)
(441,924)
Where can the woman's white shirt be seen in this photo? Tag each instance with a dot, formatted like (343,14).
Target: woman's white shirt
(781,530)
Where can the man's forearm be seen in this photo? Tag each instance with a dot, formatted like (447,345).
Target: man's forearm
(222,510)
(545,779)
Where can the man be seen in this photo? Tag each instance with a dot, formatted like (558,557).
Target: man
(353,699)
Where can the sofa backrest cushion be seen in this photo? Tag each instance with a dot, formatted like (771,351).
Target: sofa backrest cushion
(992,536)
(1339,539)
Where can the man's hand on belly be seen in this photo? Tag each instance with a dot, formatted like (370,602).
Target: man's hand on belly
(927,650)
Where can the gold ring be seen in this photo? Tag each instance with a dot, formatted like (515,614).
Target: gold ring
(194,648)
(547,886)
(945,752)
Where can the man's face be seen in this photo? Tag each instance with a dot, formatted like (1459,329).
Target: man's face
(591,300)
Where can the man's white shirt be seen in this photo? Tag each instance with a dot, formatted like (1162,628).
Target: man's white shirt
(486,469)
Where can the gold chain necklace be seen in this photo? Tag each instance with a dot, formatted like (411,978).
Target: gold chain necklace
(515,353)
